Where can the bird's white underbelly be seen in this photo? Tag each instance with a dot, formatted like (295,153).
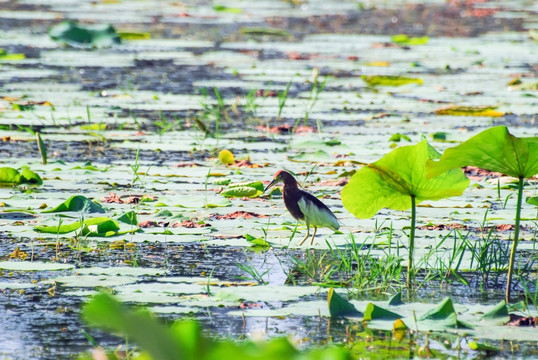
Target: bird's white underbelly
(318,217)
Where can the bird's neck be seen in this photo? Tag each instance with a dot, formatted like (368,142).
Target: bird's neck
(290,186)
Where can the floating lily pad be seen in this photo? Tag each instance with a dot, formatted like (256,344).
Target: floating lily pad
(318,156)
(390,80)
(33,266)
(256,241)
(10,176)
(100,226)
(470,111)
(121,271)
(248,189)
(77,203)
(403,39)
(75,34)
(477,346)
(6,56)
(377,312)
(15,285)
(240,191)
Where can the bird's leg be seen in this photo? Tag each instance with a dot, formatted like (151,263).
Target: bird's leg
(307,231)
(314,234)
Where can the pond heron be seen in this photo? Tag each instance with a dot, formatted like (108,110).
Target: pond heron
(304,206)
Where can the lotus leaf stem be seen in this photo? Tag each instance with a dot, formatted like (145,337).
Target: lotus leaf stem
(516,238)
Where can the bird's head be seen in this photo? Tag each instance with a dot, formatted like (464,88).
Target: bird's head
(282,176)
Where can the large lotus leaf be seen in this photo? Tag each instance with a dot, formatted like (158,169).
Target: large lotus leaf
(78,203)
(392,180)
(9,175)
(494,149)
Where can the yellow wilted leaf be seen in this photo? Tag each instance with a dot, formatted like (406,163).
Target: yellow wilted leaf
(403,39)
(133,35)
(398,330)
(226,157)
(390,80)
(378,63)
(457,110)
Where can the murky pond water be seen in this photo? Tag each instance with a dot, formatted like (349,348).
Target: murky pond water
(150,115)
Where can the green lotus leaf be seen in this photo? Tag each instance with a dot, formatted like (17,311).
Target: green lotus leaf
(338,306)
(258,185)
(499,313)
(100,226)
(374,312)
(105,228)
(494,149)
(30,177)
(396,299)
(240,191)
(131,219)
(442,311)
(9,175)
(391,181)
(78,203)
(75,34)
(390,80)
(318,156)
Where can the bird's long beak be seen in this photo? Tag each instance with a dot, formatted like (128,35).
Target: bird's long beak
(272,183)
